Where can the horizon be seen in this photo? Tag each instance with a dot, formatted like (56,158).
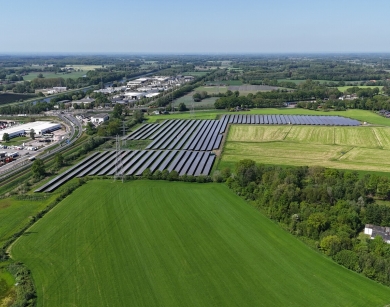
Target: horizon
(177,27)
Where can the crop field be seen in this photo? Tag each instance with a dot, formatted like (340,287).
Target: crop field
(196,73)
(355,148)
(252,89)
(14,214)
(143,244)
(188,101)
(8,97)
(73,75)
(212,89)
(344,88)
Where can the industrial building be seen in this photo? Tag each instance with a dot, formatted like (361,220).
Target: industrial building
(39,127)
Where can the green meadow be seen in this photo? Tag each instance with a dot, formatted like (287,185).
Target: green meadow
(161,243)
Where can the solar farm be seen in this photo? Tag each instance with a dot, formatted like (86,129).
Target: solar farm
(184,146)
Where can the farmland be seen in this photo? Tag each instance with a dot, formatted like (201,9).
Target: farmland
(8,97)
(72,75)
(134,244)
(354,148)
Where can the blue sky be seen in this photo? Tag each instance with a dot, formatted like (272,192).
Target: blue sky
(213,26)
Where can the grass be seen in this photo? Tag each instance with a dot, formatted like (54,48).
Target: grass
(344,88)
(196,73)
(72,75)
(353,148)
(15,214)
(147,243)
(16,141)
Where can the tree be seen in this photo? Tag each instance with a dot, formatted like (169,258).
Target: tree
(6,137)
(32,134)
(246,171)
(38,168)
(58,161)
(182,107)
(118,110)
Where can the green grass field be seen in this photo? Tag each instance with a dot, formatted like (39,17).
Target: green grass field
(73,75)
(354,148)
(15,214)
(148,243)
(344,88)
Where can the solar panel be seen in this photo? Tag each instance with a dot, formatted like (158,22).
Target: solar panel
(148,162)
(209,165)
(261,119)
(113,169)
(193,137)
(231,119)
(101,159)
(140,162)
(127,161)
(108,160)
(201,165)
(72,174)
(159,159)
(137,131)
(167,161)
(235,119)
(223,127)
(196,162)
(149,127)
(200,135)
(218,142)
(244,118)
(187,136)
(181,134)
(151,131)
(42,188)
(178,158)
(108,166)
(187,164)
(171,136)
(163,132)
(212,131)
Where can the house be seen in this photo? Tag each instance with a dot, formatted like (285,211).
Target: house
(99,118)
(374,231)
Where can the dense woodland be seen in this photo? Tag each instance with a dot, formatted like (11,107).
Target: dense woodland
(326,208)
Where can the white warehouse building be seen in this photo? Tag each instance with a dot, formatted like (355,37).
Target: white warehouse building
(39,127)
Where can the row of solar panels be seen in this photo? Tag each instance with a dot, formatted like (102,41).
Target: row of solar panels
(135,163)
(199,135)
(292,120)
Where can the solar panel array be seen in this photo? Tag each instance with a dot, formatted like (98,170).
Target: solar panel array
(292,120)
(181,145)
(134,163)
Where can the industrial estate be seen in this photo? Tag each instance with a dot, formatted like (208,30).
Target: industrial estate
(195,181)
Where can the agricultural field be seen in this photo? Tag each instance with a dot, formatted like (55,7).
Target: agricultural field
(8,97)
(134,244)
(73,75)
(14,214)
(354,148)
(344,88)
(212,89)
(188,101)
(196,73)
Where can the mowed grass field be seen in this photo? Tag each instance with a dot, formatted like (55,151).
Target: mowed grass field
(354,148)
(157,243)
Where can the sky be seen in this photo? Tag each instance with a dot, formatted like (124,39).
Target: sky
(194,27)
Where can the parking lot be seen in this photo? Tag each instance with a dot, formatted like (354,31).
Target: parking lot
(28,149)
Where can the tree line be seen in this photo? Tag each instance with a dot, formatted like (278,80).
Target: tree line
(326,208)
